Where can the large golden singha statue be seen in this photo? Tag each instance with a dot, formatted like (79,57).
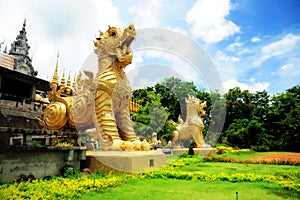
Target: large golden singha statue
(193,126)
(101,102)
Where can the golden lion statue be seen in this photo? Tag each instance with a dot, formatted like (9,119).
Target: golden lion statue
(193,126)
(100,102)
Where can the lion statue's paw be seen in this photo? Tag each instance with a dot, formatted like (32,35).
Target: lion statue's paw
(145,146)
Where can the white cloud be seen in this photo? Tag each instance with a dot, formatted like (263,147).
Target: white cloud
(234,47)
(289,70)
(223,57)
(278,48)
(52,26)
(286,66)
(282,46)
(209,20)
(147,14)
(252,87)
(255,39)
(243,51)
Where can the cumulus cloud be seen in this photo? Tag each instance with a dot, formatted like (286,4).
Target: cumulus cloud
(252,86)
(209,20)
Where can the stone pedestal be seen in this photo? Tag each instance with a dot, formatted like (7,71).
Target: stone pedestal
(122,161)
(197,151)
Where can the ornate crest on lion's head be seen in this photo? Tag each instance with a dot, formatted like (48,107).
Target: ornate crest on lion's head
(115,43)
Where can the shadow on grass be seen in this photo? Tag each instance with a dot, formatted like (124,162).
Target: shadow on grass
(283,193)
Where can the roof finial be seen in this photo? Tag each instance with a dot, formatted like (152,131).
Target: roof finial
(69,80)
(55,76)
(24,24)
(62,83)
(68,88)
(74,83)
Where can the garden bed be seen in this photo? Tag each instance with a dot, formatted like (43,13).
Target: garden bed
(279,156)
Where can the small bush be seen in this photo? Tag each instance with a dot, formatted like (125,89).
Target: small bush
(261,148)
(191,150)
(69,172)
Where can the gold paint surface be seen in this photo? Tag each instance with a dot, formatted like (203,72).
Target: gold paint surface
(101,102)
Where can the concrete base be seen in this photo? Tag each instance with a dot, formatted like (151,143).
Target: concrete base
(122,161)
(197,151)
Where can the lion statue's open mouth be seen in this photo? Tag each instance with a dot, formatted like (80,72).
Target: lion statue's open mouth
(116,43)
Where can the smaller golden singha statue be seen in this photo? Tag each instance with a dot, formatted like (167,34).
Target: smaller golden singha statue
(193,126)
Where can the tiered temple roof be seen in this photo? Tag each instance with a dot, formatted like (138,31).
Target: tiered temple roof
(19,49)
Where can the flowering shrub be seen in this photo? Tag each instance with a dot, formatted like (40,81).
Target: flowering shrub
(60,188)
(222,149)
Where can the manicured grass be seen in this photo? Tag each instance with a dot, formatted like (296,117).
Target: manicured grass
(189,190)
(177,188)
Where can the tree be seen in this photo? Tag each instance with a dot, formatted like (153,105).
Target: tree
(238,106)
(152,117)
(283,120)
(261,102)
(179,91)
(246,133)
(168,100)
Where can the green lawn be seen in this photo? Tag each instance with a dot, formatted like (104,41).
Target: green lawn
(189,190)
(164,188)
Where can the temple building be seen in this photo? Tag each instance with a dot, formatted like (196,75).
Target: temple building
(19,49)
(18,81)
(25,147)
(18,88)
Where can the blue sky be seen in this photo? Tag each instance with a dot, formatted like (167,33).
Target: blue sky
(253,44)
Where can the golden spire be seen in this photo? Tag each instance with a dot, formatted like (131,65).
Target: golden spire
(68,88)
(74,83)
(69,80)
(62,82)
(55,76)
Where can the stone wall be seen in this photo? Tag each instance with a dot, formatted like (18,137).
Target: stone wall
(39,163)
